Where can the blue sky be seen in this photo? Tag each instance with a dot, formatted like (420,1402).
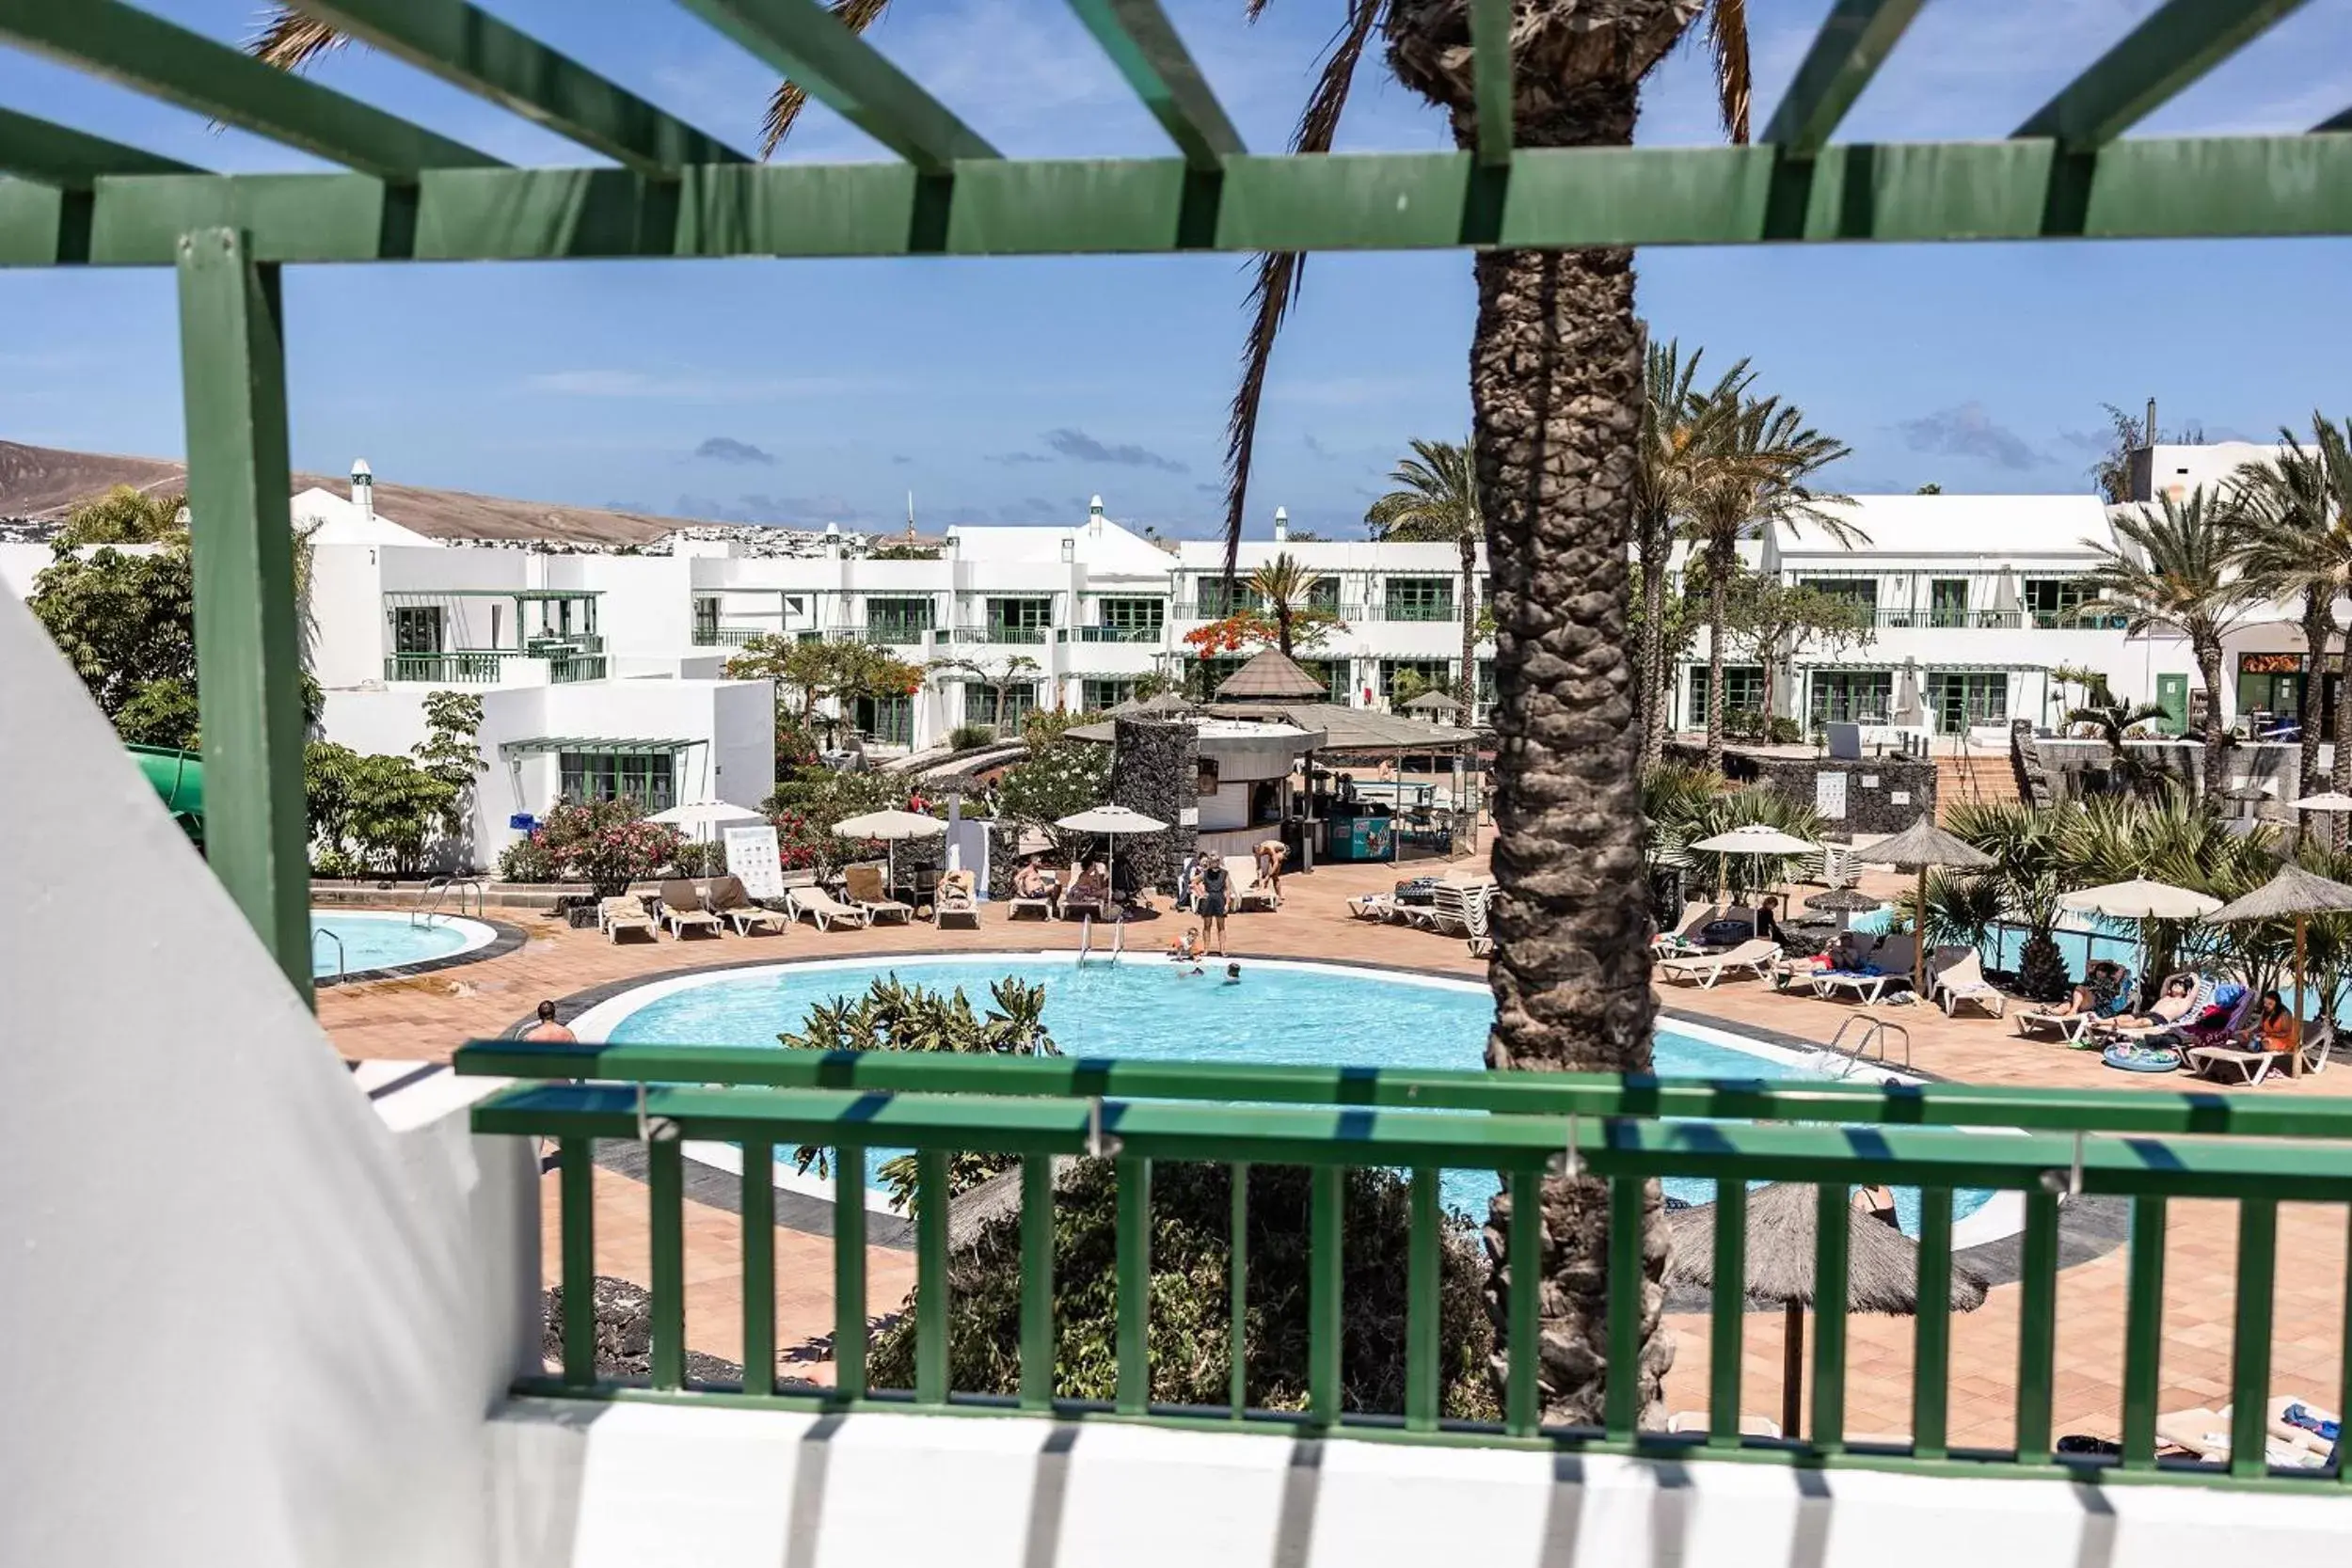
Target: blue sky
(1008,390)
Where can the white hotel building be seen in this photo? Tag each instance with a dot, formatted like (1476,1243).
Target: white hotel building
(603,673)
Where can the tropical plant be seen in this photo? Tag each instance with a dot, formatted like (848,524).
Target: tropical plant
(1962,909)
(1066,778)
(1435,502)
(449,753)
(2094,683)
(2113,725)
(1767,621)
(892,1015)
(1751,478)
(605,844)
(1286,590)
(1751,805)
(2025,845)
(823,671)
(1678,422)
(1675,797)
(2112,473)
(966,738)
(2297,510)
(2174,567)
(123,516)
(999,676)
(372,814)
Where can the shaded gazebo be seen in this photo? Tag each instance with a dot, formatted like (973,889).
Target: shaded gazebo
(1783,1230)
(1271,676)
(1431,703)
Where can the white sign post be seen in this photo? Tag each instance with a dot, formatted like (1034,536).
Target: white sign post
(753,855)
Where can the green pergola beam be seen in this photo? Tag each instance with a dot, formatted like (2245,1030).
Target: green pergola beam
(1145,47)
(124,44)
(2173,47)
(2144,188)
(469,48)
(842,71)
(1846,53)
(75,160)
(1490,78)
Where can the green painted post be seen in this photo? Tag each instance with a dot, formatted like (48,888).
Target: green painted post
(1036,1281)
(248,651)
(1523,1372)
(2037,1326)
(575,1158)
(665,1198)
(1621,1401)
(2250,1339)
(1729,1311)
(1931,1333)
(931,1277)
(1420,1307)
(849,1272)
(759,1267)
(2343,1354)
(1324,1244)
(1133,1265)
(1237,1310)
(2143,1333)
(1831,1260)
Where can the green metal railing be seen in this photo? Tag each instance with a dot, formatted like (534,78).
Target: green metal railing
(2253,1152)
(727,637)
(463,667)
(584,667)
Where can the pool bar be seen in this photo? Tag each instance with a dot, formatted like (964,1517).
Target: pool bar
(2149,1148)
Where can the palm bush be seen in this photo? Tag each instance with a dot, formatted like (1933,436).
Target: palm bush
(1739,808)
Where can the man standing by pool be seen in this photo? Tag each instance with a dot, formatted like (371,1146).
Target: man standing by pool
(548,1029)
(1212,889)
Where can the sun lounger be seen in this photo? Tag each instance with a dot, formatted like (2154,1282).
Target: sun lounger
(731,903)
(825,909)
(624,912)
(2206,1433)
(2066,1026)
(1958,978)
(1242,871)
(1043,903)
(1751,955)
(1459,909)
(681,909)
(867,891)
(1372,906)
(2244,1064)
(953,899)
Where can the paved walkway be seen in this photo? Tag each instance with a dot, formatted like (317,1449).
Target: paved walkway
(427,1017)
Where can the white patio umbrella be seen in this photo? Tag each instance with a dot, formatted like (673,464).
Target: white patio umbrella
(890,827)
(2140,900)
(1754,838)
(2333,801)
(703,816)
(1111,821)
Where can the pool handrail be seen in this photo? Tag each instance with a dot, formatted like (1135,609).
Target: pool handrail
(1553,1094)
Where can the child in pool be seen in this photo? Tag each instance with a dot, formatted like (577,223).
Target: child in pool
(1186,947)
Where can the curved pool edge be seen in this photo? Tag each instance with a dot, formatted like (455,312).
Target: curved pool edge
(485,939)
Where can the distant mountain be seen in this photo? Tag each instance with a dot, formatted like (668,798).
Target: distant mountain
(43,484)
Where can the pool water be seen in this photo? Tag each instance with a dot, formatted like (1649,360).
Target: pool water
(376,939)
(1294,1014)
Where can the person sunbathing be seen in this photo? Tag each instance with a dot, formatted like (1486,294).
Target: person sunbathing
(2274,1028)
(2179,998)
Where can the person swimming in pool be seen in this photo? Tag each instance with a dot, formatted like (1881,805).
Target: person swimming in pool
(1233,975)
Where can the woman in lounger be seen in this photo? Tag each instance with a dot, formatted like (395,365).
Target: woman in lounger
(2275,1028)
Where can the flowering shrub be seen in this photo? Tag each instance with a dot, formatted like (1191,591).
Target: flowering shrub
(607,844)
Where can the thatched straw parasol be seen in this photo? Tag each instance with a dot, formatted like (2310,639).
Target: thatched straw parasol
(1433,702)
(1882,1269)
(1166,704)
(1916,849)
(1843,902)
(2293,894)
(1270,677)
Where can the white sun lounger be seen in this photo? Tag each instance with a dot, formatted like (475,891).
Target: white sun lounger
(1754,957)
(825,909)
(1960,978)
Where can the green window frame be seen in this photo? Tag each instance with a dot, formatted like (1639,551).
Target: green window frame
(1964,698)
(1418,600)
(1323,594)
(1143,618)
(1096,695)
(1019,619)
(889,719)
(1947,601)
(980,702)
(1337,675)
(1847,696)
(1212,604)
(706,621)
(419,629)
(903,620)
(649,778)
(1437,673)
(2051,601)
(1743,690)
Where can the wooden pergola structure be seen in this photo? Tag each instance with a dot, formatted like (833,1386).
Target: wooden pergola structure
(667,190)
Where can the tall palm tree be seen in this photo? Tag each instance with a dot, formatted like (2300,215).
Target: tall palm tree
(1749,476)
(1677,422)
(2298,512)
(1283,586)
(2174,568)
(2113,722)
(1436,501)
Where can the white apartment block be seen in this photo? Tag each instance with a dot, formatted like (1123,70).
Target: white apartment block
(603,674)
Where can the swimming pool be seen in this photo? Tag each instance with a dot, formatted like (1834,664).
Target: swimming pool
(376,939)
(1294,1013)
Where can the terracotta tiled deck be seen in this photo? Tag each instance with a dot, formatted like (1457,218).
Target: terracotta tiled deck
(426,1017)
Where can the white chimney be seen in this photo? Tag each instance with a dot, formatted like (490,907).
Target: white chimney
(363,488)
(1281,524)
(1094,518)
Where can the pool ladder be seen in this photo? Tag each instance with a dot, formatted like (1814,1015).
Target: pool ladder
(439,888)
(1086,939)
(1874,1030)
(342,969)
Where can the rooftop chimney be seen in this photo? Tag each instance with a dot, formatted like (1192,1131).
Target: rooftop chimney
(363,488)
(2152,421)
(1281,524)
(1094,518)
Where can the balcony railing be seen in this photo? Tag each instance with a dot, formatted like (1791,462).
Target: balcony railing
(727,637)
(1111,634)
(897,634)
(1406,610)
(1028,636)
(584,667)
(1619,1134)
(465,667)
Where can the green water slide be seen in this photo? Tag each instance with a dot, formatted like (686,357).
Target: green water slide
(179,778)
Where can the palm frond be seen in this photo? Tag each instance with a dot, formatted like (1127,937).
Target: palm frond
(1278,273)
(1727,42)
(784,108)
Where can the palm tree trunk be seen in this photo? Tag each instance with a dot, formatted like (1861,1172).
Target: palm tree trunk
(2208,651)
(2340,772)
(1657,693)
(1717,580)
(1466,689)
(2319,619)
